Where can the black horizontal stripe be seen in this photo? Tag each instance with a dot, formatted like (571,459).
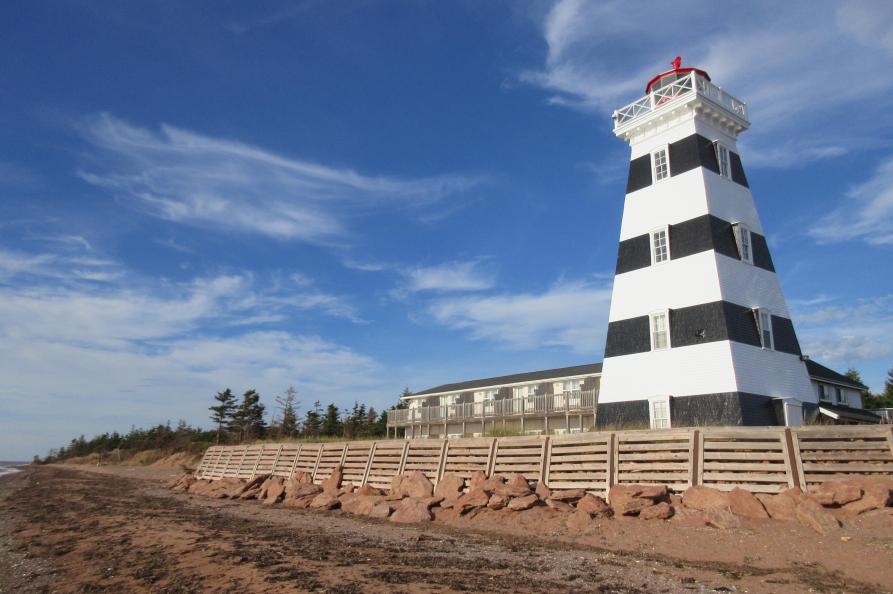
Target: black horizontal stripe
(684,155)
(697,324)
(690,237)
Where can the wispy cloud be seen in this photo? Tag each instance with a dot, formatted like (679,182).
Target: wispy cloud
(448,277)
(866,213)
(795,64)
(846,333)
(183,176)
(570,314)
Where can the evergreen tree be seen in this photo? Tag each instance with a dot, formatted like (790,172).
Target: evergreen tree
(222,412)
(312,421)
(331,424)
(288,407)
(248,417)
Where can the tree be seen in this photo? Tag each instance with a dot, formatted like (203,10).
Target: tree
(288,403)
(331,424)
(222,412)
(312,422)
(248,418)
(882,400)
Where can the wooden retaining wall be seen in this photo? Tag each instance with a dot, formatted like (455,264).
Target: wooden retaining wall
(760,459)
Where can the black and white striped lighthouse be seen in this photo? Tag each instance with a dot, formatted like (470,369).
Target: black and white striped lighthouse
(699,331)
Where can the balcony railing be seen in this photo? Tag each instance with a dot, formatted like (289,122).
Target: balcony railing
(533,406)
(690,84)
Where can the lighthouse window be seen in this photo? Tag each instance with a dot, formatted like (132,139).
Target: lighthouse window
(743,239)
(660,412)
(764,325)
(661,164)
(660,249)
(660,335)
(722,155)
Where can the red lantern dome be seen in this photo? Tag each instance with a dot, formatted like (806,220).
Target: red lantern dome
(670,76)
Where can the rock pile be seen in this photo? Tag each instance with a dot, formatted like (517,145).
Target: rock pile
(412,497)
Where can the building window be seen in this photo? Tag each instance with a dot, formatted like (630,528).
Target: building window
(743,240)
(659,410)
(764,327)
(722,155)
(824,392)
(660,245)
(661,164)
(660,330)
(841,395)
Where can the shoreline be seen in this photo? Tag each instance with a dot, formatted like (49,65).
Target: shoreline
(60,532)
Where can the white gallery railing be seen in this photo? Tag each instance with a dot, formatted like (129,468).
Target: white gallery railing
(684,87)
(543,404)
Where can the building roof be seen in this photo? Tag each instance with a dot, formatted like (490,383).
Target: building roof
(816,371)
(838,411)
(530,376)
(820,372)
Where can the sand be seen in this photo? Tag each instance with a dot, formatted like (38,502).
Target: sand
(116,529)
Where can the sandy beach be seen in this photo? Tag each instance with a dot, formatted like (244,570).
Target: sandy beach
(116,529)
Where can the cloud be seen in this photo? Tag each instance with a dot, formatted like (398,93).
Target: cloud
(79,357)
(447,277)
(797,65)
(848,333)
(866,214)
(203,181)
(569,314)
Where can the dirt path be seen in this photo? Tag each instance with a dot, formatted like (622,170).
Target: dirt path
(69,530)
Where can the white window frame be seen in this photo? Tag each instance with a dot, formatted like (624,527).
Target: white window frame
(654,421)
(759,314)
(721,150)
(744,239)
(651,237)
(651,330)
(665,149)
(840,395)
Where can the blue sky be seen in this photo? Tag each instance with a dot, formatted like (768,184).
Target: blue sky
(357,197)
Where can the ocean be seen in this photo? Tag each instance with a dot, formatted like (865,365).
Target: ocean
(10,467)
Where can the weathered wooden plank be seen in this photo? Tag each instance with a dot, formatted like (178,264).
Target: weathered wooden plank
(749,477)
(753,467)
(742,445)
(727,455)
(653,447)
(849,455)
(841,445)
(832,467)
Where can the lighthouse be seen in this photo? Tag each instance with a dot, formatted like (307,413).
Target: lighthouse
(699,331)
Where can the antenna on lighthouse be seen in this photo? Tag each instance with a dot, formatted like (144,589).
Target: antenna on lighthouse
(677,63)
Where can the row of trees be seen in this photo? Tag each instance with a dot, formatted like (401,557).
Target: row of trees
(881,400)
(163,437)
(238,421)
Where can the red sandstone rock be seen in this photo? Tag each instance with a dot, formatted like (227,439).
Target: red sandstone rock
(325,501)
(561,506)
(416,484)
(579,521)
(333,483)
(811,514)
(396,481)
(685,516)
(414,509)
(471,500)
(477,477)
(275,491)
(780,506)
(295,490)
(837,493)
(381,510)
(450,486)
(302,477)
(368,490)
(595,506)
(877,493)
(745,504)
(516,486)
(568,495)
(492,484)
(542,491)
(718,517)
(498,501)
(359,505)
(345,489)
(630,500)
(522,503)
(302,502)
(659,511)
(705,498)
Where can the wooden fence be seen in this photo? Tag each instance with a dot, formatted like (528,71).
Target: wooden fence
(760,459)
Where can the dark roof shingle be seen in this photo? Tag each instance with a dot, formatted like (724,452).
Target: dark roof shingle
(819,371)
(530,376)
